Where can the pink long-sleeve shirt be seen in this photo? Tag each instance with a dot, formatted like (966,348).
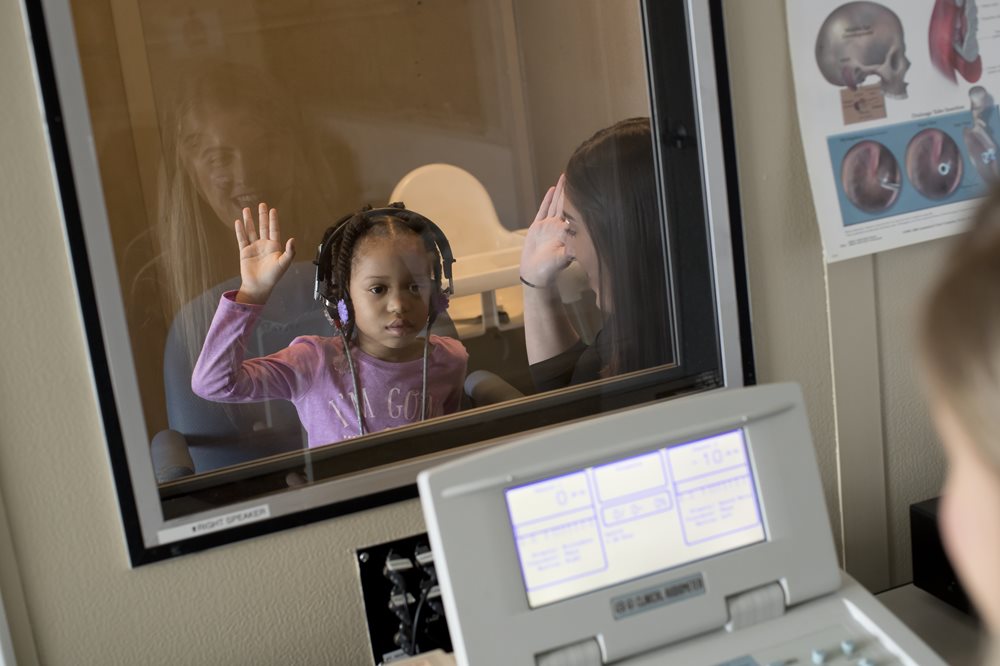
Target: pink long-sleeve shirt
(313,374)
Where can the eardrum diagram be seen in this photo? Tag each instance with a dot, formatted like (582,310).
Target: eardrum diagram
(898,117)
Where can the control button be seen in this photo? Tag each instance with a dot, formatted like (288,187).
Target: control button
(819,656)
(848,647)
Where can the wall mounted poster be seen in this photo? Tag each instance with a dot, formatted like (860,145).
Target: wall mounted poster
(897,108)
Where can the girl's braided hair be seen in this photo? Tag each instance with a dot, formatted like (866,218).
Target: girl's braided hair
(356,228)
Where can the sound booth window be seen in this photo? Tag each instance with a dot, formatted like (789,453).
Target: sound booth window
(311,265)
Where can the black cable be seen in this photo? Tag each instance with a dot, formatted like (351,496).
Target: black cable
(416,620)
(423,556)
(394,570)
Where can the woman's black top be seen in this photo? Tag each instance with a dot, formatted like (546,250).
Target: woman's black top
(578,364)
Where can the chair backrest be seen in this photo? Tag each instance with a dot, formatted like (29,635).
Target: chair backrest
(457,202)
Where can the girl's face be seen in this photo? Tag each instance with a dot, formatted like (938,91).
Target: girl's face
(970,516)
(236,160)
(390,288)
(580,245)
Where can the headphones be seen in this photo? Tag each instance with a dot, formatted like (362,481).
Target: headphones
(334,296)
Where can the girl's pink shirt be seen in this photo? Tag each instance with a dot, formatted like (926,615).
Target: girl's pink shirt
(313,374)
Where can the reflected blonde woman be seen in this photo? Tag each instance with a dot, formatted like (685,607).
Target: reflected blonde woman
(233,138)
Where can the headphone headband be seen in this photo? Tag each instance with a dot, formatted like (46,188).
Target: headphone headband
(323,286)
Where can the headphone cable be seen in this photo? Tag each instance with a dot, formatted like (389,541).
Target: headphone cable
(423,383)
(354,379)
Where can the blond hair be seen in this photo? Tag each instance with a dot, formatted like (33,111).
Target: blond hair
(960,333)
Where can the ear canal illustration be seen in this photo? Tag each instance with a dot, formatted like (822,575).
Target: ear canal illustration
(933,163)
(952,39)
(979,141)
(870,176)
(859,40)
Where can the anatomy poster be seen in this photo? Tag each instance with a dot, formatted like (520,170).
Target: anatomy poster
(898,116)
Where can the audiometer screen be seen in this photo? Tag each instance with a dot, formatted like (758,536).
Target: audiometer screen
(610,523)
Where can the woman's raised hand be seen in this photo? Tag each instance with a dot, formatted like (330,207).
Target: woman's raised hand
(263,259)
(544,253)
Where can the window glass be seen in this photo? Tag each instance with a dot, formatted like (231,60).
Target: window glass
(203,108)
(354,238)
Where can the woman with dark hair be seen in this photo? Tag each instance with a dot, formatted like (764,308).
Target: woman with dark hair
(604,214)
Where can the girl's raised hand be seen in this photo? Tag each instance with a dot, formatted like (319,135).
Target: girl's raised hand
(263,258)
(544,253)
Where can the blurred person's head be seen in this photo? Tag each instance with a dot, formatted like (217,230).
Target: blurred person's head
(960,360)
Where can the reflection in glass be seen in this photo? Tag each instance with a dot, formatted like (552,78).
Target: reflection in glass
(232,138)
(201,109)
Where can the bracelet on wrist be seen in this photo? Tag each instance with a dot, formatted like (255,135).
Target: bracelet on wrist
(526,283)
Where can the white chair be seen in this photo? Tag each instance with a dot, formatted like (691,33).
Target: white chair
(487,288)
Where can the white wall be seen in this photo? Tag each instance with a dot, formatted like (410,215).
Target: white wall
(292,597)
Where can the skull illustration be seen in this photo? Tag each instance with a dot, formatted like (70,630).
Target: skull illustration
(862,39)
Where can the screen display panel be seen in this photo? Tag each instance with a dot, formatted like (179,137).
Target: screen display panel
(602,525)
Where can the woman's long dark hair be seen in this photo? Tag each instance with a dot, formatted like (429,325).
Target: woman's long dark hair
(611,179)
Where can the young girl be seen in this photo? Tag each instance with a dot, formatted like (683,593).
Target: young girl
(960,353)
(383,277)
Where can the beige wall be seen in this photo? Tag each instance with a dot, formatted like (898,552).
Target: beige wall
(794,299)
(292,597)
(791,337)
(914,463)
